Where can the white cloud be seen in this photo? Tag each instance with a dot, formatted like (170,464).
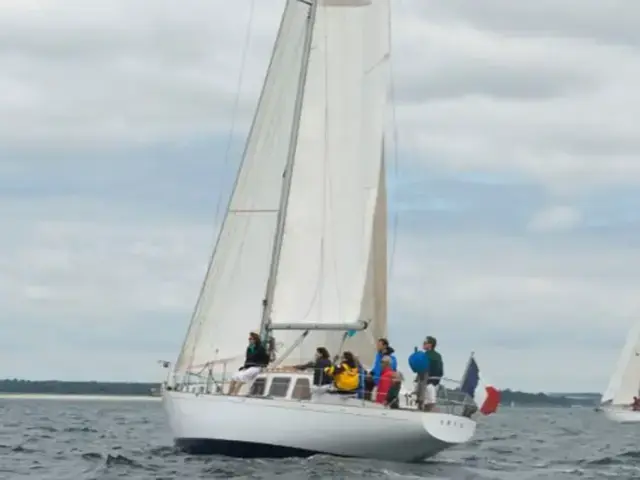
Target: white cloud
(85,299)
(511,299)
(85,288)
(559,217)
(105,272)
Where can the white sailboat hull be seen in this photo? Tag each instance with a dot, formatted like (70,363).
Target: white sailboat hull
(622,415)
(262,427)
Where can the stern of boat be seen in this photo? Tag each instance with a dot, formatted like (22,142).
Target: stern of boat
(447,428)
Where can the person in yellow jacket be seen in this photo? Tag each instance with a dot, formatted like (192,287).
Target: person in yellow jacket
(345,374)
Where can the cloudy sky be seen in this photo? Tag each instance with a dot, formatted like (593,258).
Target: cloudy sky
(515,201)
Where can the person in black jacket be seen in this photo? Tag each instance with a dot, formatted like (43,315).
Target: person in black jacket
(256,359)
(322,361)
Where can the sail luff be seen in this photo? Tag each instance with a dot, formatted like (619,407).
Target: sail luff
(288,174)
(374,295)
(379,254)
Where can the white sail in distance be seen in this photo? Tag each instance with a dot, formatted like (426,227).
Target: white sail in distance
(625,380)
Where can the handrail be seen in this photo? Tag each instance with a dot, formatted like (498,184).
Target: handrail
(449,397)
(219,361)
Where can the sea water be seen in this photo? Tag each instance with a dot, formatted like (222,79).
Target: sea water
(99,438)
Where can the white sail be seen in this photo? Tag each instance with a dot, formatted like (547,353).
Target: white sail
(333,252)
(230,302)
(625,381)
(374,301)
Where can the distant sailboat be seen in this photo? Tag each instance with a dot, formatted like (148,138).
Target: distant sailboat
(301,256)
(624,385)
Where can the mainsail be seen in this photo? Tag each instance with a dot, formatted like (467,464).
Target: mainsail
(625,381)
(332,255)
(331,259)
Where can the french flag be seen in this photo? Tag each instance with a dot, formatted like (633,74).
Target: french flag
(486,397)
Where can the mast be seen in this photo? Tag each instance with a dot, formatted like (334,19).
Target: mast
(267,303)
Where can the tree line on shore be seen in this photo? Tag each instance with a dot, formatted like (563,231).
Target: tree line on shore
(17,386)
(76,388)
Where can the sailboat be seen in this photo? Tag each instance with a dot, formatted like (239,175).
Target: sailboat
(301,257)
(624,385)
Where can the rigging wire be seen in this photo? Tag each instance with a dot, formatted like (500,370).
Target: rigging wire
(236,105)
(395,162)
(234,115)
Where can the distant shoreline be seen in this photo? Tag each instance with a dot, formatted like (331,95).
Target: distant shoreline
(60,390)
(81,389)
(83,397)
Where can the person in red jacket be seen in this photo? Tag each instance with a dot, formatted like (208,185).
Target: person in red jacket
(386,379)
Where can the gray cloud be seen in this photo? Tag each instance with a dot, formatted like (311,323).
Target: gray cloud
(611,21)
(554,105)
(551,104)
(439,61)
(128,70)
(493,294)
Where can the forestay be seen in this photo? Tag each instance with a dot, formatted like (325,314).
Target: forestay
(333,260)
(230,302)
(625,381)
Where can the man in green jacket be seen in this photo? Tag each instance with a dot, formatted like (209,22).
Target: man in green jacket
(435,374)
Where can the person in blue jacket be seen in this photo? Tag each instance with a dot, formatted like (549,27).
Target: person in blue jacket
(429,369)
(373,377)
